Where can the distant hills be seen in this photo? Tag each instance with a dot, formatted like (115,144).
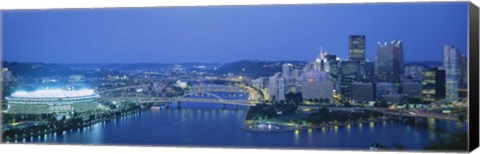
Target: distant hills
(251,68)
(40,70)
(255,68)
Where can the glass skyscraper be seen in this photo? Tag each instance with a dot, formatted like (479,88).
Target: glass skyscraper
(349,72)
(451,63)
(357,50)
(389,61)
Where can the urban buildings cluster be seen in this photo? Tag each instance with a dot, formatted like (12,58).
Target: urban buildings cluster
(387,78)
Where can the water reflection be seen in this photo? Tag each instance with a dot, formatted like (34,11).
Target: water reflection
(296,137)
(216,127)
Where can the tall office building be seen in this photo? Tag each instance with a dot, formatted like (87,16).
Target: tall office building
(322,63)
(276,87)
(332,61)
(357,50)
(287,70)
(463,69)
(389,61)
(292,77)
(452,64)
(369,71)
(433,85)
(349,72)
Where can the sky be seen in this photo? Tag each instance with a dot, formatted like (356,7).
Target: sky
(229,33)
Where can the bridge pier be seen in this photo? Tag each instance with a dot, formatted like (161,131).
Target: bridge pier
(223,106)
(236,106)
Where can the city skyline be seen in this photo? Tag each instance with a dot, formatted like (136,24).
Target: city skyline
(339,76)
(97,36)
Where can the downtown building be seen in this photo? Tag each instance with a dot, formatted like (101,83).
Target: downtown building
(384,89)
(414,72)
(357,49)
(293,78)
(412,89)
(317,85)
(353,69)
(452,65)
(260,83)
(389,61)
(276,87)
(462,89)
(326,62)
(433,85)
(362,91)
(350,71)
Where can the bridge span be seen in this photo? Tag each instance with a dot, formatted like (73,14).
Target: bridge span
(413,114)
(189,100)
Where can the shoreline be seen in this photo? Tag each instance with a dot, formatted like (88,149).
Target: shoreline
(67,129)
(288,128)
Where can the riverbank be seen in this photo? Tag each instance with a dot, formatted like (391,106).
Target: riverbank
(62,130)
(283,127)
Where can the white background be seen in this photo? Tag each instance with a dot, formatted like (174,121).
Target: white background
(74,149)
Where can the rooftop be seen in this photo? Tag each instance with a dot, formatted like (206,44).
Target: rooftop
(53,93)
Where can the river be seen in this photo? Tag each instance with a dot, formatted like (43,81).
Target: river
(203,124)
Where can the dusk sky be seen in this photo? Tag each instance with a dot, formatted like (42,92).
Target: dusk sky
(229,33)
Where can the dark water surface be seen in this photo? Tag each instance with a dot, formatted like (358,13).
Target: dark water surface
(208,125)
(204,124)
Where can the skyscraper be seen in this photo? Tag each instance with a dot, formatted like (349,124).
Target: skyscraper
(389,61)
(349,72)
(292,78)
(452,64)
(326,62)
(433,85)
(357,50)
(276,87)
(287,70)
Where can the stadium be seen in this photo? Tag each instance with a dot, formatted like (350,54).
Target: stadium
(52,101)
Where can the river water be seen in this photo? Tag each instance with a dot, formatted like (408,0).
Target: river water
(203,124)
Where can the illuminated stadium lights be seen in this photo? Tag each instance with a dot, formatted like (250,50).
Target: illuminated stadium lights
(53,93)
(52,101)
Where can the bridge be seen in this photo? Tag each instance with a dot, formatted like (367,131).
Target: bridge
(217,88)
(123,88)
(213,98)
(196,90)
(200,87)
(413,114)
(178,100)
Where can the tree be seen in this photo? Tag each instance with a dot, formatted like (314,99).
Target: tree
(295,98)
(347,104)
